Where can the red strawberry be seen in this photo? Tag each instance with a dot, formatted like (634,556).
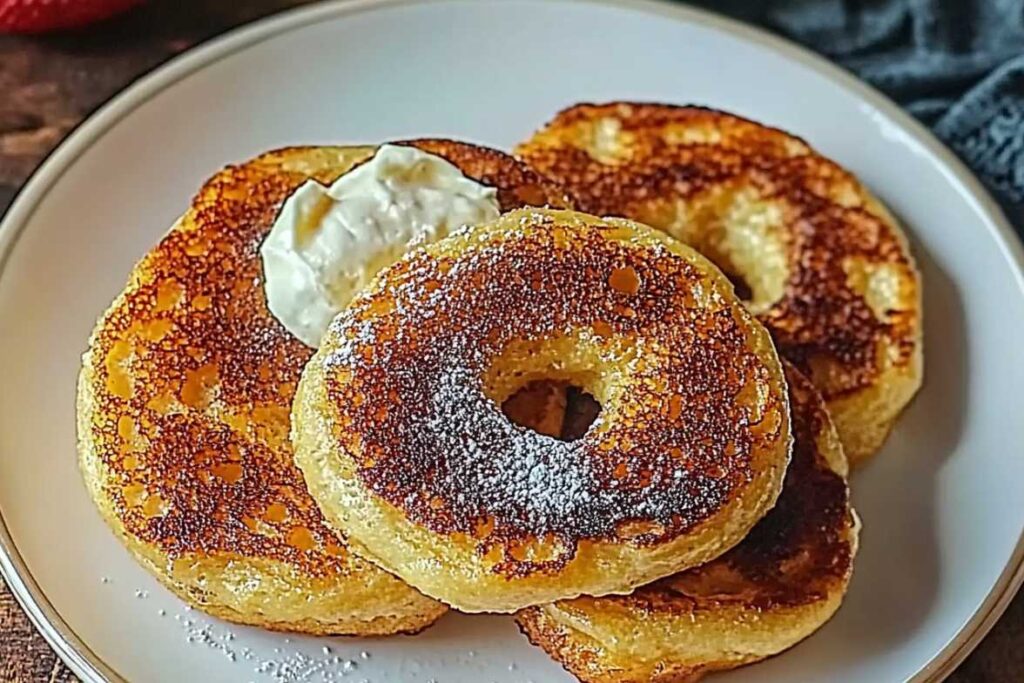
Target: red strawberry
(38,16)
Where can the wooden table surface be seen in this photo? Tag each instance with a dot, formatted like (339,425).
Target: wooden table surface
(47,85)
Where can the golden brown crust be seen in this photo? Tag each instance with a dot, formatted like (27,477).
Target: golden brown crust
(361,600)
(459,313)
(794,556)
(407,383)
(585,658)
(663,464)
(824,265)
(517,184)
(780,584)
(190,378)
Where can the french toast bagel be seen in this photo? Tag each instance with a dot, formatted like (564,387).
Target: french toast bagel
(184,400)
(398,428)
(816,257)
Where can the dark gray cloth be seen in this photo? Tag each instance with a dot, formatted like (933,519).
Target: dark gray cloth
(958,65)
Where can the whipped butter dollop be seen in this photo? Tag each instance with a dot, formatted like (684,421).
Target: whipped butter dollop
(327,243)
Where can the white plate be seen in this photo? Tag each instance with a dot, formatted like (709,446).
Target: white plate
(941,506)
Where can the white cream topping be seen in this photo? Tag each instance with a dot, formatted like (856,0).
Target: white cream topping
(328,242)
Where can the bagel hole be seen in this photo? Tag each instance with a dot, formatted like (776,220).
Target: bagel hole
(555,408)
(739,230)
(741,287)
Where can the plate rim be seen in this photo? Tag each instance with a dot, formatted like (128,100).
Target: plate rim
(67,644)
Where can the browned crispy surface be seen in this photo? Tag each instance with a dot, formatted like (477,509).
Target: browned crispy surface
(680,444)
(517,184)
(587,661)
(798,557)
(656,155)
(194,377)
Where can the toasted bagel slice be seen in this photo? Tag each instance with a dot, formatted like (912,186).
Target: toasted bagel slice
(398,429)
(817,258)
(784,581)
(183,412)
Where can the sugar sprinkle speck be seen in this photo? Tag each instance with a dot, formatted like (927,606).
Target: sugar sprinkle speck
(285,666)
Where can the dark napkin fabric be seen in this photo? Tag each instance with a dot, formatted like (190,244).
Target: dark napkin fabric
(957,65)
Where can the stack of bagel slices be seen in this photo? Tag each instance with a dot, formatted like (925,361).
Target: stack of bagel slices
(612,383)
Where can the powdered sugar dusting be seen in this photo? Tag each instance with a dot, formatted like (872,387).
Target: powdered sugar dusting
(517,469)
(405,366)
